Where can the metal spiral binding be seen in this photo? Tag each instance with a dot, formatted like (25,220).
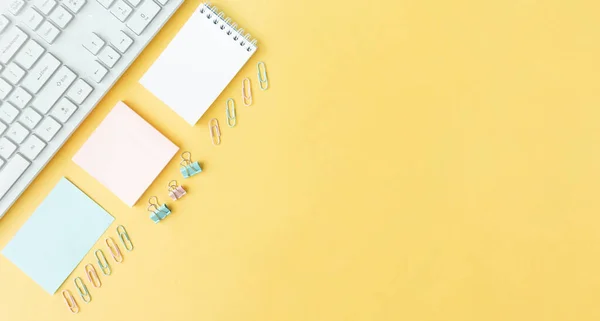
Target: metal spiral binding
(228,26)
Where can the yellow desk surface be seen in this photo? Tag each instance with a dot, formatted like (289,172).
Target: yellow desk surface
(412,160)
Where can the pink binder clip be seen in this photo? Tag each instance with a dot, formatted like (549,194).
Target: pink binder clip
(175,191)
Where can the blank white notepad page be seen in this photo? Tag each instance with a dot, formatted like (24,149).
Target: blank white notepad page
(198,64)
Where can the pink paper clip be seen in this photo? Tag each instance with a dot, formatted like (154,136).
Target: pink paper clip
(175,191)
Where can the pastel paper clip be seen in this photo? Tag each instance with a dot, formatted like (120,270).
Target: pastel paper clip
(215,131)
(158,212)
(83,290)
(246,92)
(263,79)
(230,112)
(175,191)
(115,252)
(189,168)
(70,301)
(127,244)
(93,276)
(102,262)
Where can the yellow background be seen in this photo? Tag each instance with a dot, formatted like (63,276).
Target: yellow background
(412,160)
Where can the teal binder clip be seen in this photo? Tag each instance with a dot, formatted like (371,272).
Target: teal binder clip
(157,212)
(189,168)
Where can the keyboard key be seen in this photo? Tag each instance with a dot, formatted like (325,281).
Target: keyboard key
(3,127)
(109,56)
(143,16)
(32,147)
(15,6)
(121,41)
(63,110)
(121,10)
(13,73)
(134,2)
(4,22)
(45,6)
(5,88)
(55,88)
(30,118)
(17,133)
(93,43)
(48,129)
(106,3)
(61,17)
(30,53)
(48,32)
(32,18)
(74,5)
(7,148)
(8,112)
(11,172)
(40,74)
(20,97)
(97,71)
(10,43)
(79,91)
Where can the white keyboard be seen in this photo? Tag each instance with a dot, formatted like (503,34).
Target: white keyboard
(58,58)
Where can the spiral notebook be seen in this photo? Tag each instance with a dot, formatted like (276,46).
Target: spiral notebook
(199,63)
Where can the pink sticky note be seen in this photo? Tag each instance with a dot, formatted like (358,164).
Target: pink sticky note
(125,154)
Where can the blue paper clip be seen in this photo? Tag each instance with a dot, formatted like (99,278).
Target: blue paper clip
(158,212)
(189,168)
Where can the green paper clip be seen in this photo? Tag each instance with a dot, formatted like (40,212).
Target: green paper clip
(230,112)
(83,290)
(102,262)
(263,79)
(127,244)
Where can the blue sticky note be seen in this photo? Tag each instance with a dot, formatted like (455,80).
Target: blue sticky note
(54,240)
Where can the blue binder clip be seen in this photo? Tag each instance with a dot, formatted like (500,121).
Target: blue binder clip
(189,168)
(157,212)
